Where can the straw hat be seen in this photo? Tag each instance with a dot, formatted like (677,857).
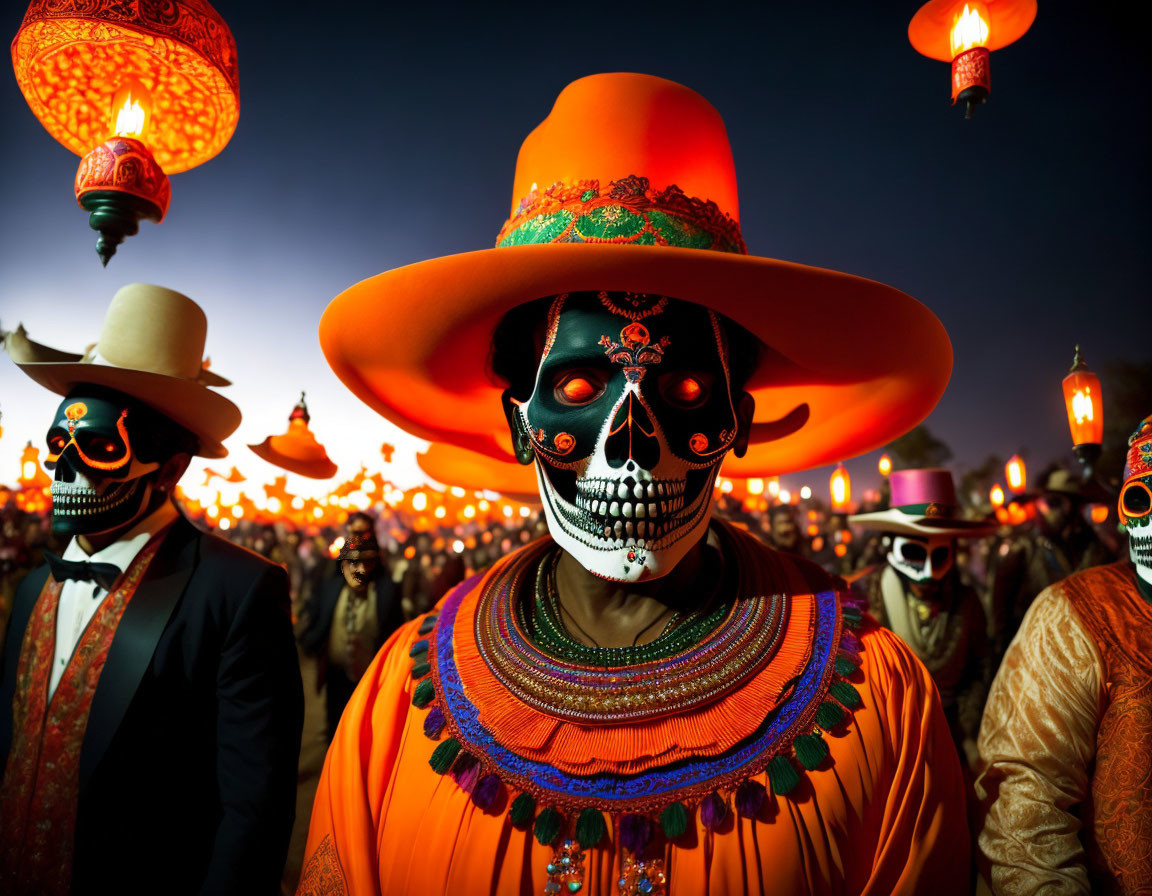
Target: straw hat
(151,347)
(629,185)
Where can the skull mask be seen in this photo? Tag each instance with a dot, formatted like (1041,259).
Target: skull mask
(100,480)
(631,415)
(1135,504)
(922,561)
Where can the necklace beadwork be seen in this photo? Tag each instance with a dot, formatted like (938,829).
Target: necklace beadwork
(495,665)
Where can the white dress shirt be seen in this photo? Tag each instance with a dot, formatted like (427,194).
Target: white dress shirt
(80,600)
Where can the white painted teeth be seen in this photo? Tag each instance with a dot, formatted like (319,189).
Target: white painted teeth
(638,491)
(626,509)
(623,491)
(618,528)
(614,509)
(651,490)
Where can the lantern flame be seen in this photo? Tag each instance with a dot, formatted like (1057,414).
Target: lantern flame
(969,28)
(996,496)
(840,488)
(29,470)
(1082,405)
(1014,473)
(884,465)
(131,106)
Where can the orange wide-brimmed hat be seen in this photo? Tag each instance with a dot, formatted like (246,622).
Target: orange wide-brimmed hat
(629,185)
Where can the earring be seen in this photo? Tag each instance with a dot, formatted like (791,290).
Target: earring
(523,446)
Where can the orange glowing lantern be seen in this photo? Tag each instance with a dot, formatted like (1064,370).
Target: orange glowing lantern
(1083,400)
(885,465)
(31,473)
(297,450)
(138,90)
(1016,474)
(964,32)
(840,487)
(996,496)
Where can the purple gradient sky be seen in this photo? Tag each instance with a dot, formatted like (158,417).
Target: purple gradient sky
(374,135)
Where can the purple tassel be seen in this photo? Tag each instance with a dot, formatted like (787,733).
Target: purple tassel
(434,723)
(712,811)
(852,598)
(485,791)
(466,772)
(750,799)
(849,641)
(634,833)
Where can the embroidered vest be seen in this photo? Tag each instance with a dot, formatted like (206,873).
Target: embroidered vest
(40,791)
(1117,815)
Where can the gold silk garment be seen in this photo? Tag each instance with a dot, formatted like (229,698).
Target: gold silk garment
(882,814)
(1065,782)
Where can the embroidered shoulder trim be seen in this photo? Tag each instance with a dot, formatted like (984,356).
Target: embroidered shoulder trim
(789,743)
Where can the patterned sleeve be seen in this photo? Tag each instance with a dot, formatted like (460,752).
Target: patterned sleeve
(1037,742)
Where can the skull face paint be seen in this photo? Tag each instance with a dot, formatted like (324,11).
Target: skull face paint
(99,483)
(631,416)
(1135,503)
(922,560)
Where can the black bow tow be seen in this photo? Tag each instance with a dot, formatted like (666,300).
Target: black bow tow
(103,574)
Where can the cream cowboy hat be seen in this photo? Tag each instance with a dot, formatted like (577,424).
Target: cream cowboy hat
(151,347)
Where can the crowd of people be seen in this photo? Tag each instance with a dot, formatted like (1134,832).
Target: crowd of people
(991,577)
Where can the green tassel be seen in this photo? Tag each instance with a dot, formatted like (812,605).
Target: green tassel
(674,821)
(424,693)
(523,811)
(782,775)
(421,669)
(844,666)
(547,826)
(829,715)
(810,750)
(444,755)
(846,694)
(420,647)
(590,828)
(852,616)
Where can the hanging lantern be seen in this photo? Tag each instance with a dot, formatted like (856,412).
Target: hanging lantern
(840,487)
(996,496)
(297,450)
(885,465)
(1084,403)
(138,90)
(964,32)
(1016,474)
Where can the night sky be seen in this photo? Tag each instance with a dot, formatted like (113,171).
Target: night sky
(373,135)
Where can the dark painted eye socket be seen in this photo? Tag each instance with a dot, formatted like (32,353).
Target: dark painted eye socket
(913,553)
(685,390)
(578,388)
(940,557)
(1136,499)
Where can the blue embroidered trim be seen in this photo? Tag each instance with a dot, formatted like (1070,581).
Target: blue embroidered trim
(810,687)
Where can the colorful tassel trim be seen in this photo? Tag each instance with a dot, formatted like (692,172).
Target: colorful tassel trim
(590,828)
(547,827)
(806,752)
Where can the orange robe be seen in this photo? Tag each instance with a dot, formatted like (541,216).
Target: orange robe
(882,813)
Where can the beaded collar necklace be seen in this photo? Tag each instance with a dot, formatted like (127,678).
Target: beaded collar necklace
(546,629)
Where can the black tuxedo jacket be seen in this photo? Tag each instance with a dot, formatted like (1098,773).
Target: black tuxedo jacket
(322,610)
(188,766)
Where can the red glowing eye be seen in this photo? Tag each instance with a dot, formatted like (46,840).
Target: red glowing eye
(577,390)
(57,443)
(686,391)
